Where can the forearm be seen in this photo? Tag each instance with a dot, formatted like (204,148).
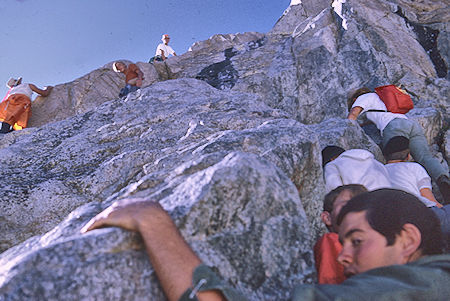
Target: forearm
(41,92)
(427,193)
(170,255)
(354,113)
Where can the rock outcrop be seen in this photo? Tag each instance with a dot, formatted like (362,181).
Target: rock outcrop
(227,137)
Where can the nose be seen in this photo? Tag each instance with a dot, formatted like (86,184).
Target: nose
(345,257)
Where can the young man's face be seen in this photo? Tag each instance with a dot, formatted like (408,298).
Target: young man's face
(364,248)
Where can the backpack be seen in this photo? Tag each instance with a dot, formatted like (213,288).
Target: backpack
(396,100)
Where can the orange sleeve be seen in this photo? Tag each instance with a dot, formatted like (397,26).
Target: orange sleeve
(326,251)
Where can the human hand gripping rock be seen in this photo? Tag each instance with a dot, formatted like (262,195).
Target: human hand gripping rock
(171,257)
(130,214)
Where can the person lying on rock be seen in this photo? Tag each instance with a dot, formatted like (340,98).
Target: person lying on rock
(354,166)
(392,250)
(390,125)
(133,77)
(413,178)
(15,109)
(328,247)
(163,50)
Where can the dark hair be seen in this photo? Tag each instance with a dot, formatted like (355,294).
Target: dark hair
(352,98)
(388,210)
(331,196)
(397,148)
(330,153)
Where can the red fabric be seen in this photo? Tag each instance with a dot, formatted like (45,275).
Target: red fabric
(16,110)
(395,99)
(326,251)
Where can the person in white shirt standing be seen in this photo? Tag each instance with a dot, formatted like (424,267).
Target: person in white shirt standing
(163,50)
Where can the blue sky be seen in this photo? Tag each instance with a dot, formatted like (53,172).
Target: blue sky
(50,42)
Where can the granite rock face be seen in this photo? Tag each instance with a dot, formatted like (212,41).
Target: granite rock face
(227,137)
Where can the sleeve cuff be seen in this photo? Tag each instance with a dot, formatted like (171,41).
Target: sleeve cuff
(205,279)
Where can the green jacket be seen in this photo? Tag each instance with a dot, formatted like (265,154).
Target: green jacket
(425,279)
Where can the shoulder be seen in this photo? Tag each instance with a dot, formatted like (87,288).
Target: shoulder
(426,279)
(133,67)
(366,100)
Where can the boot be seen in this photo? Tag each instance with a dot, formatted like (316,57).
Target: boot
(443,183)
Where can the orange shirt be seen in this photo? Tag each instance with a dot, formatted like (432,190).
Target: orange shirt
(326,251)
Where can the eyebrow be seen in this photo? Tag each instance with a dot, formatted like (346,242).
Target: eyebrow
(348,234)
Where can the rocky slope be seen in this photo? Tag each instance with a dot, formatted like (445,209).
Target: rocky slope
(226,136)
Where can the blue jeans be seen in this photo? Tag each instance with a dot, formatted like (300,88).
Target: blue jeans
(418,144)
(127,89)
(443,215)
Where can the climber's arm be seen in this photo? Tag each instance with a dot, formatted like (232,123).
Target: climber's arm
(354,113)
(171,257)
(44,93)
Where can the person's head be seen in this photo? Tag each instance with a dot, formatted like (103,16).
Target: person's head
(397,148)
(119,66)
(165,38)
(386,227)
(12,82)
(335,200)
(330,153)
(355,94)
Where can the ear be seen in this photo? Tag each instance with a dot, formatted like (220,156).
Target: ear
(409,158)
(410,239)
(325,216)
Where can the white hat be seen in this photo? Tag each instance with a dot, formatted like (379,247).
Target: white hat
(164,36)
(12,82)
(115,67)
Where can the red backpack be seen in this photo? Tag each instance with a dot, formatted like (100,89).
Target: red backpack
(396,100)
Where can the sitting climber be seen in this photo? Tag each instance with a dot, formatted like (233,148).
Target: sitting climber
(393,124)
(354,166)
(133,77)
(15,110)
(390,253)
(328,247)
(413,178)
(163,50)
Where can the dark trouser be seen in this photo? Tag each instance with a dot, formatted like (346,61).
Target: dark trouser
(6,128)
(156,58)
(128,89)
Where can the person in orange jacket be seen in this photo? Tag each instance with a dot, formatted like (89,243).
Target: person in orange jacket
(15,110)
(328,247)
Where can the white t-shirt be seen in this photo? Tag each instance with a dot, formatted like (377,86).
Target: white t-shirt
(166,48)
(410,177)
(356,166)
(22,89)
(371,101)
